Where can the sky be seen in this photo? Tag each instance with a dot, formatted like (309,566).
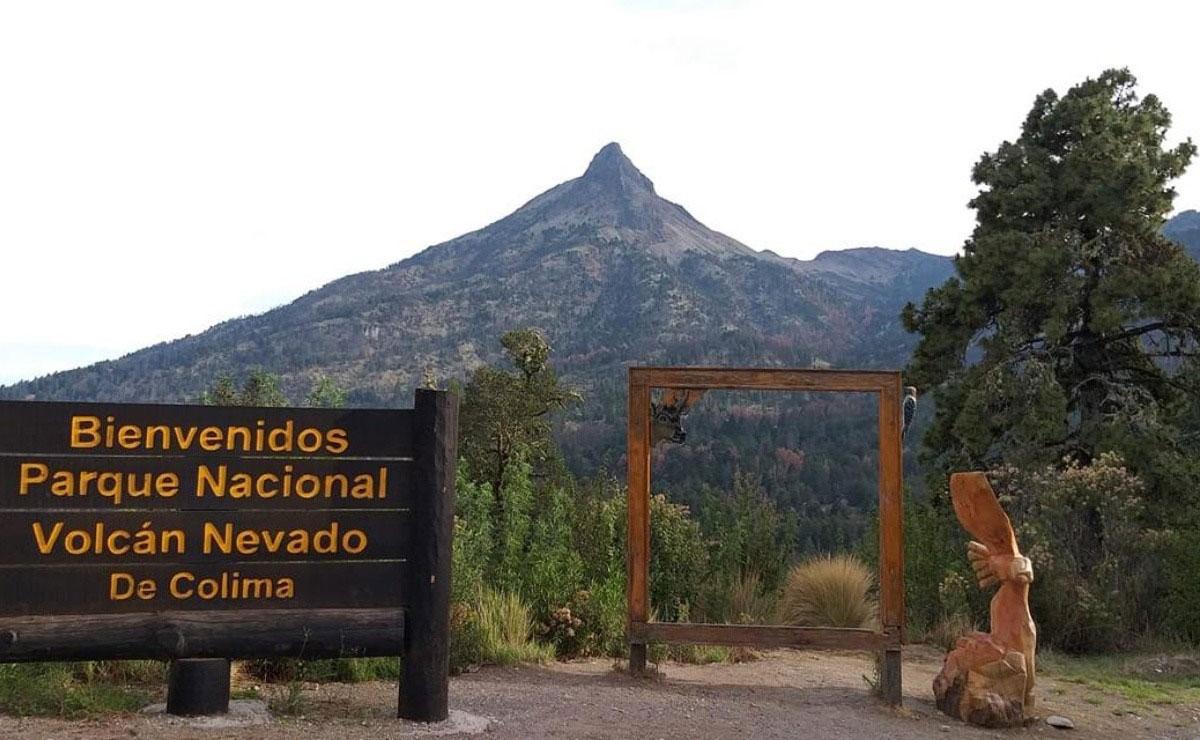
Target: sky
(165,166)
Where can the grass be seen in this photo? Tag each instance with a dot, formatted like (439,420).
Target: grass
(691,654)
(505,630)
(335,670)
(1124,676)
(79,690)
(829,591)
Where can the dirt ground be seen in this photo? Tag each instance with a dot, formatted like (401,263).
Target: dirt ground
(785,694)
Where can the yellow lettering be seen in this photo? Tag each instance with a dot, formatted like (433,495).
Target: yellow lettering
(211,439)
(336,442)
(120,586)
(212,538)
(204,478)
(181,585)
(129,437)
(85,431)
(31,474)
(45,545)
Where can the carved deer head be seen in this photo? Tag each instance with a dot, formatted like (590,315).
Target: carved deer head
(666,416)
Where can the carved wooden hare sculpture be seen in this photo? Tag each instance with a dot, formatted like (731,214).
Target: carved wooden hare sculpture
(988,678)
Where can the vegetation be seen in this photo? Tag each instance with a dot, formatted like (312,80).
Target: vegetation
(1139,678)
(830,591)
(1065,354)
(79,690)
(540,537)
(506,630)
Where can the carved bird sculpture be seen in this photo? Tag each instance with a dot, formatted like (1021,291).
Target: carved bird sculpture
(910,408)
(996,560)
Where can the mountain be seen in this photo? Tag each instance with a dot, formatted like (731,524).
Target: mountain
(1184,229)
(612,273)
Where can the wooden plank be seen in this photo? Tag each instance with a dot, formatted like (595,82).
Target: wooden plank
(425,682)
(274,633)
(763,636)
(45,427)
(891,540)
(762,378)
(57,538)
(891,514)
(117,589)
(208,483)
(638,505)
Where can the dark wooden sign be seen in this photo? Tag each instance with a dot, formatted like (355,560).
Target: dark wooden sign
(301,532)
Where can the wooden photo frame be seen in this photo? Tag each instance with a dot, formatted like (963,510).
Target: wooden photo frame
(886,385)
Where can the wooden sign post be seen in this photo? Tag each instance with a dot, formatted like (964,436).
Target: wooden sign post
(886,642)
(186,532)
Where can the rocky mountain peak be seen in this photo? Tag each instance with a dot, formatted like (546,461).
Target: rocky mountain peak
(611,170)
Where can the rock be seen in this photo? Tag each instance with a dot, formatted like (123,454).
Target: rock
(1062,723)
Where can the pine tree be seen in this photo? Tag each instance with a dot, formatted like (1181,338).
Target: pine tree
(1072,325)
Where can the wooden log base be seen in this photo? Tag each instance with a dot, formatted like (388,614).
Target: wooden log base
(198,687)
(266,633)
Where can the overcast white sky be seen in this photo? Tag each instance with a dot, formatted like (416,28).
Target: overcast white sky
(167,165)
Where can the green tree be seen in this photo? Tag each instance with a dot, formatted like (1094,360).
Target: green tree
(260,389)
(505,415)
(326,394)
(1072,326)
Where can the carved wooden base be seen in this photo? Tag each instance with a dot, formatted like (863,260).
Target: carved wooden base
(982,683)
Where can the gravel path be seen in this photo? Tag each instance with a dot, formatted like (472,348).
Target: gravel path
(784,695)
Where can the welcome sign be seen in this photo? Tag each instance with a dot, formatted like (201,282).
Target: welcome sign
(145,512)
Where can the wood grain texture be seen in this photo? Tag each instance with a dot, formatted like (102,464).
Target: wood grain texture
(887,386)
(86,589)
(891,537)
(308,633)
(425,671)
(782,379)
(396,495)
(198,687)
(638,515)
(43,427)
(764,636)
(263,536)
(891,509)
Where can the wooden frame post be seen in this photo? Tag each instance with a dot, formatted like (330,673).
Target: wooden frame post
(424,680)
(886,643)
(638,551)
(891,541)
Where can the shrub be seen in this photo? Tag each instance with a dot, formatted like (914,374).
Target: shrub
(1182,599)
(829,591)
(466,642)
(947,630)
(678,560)
(747,601)
(935,558)
(1094,562)
(505,630)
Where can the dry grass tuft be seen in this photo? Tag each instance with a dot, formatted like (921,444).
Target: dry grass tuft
(829,591)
